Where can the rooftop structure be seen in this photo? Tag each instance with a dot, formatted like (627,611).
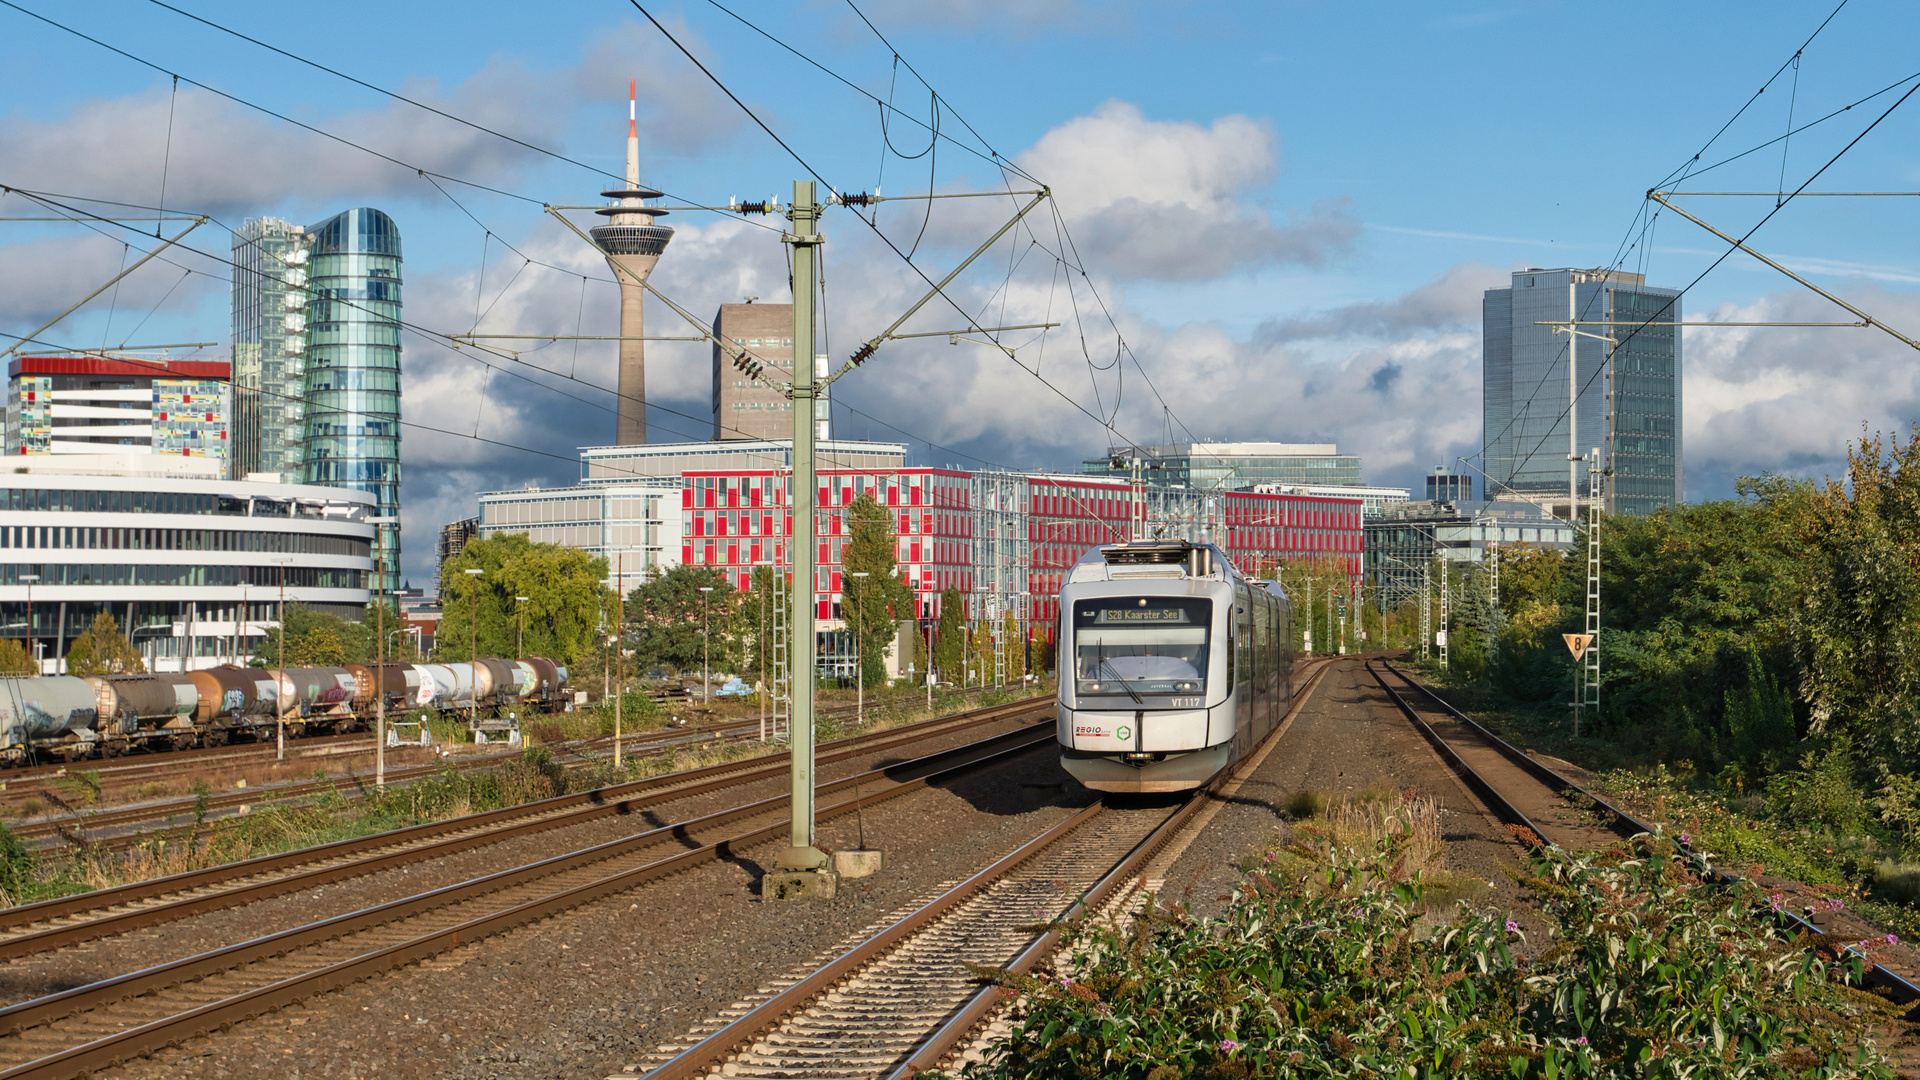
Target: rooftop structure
(1373,500)
(1233,466)
(617,464)
(632,243)
(116,408)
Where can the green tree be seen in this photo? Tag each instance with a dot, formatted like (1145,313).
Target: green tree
(949,643)
(665,620)
(14,659)
(564,587)
(921,658)
(873,606)
(103,650)
(314,639)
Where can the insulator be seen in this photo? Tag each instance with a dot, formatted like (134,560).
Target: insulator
(861,199)
(861,354)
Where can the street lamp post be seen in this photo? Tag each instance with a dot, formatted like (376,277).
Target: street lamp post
(520,641)
(380,667)
(32,653)
(706,680)
(473,648)
(280,680)
(860,649)
(620,652)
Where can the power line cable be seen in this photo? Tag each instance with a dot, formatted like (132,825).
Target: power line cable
(1724,256)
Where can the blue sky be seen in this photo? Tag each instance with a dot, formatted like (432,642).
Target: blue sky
(1288,209)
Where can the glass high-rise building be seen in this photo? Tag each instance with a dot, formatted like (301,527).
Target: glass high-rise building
(350,435)
(269,340)
(1629,408)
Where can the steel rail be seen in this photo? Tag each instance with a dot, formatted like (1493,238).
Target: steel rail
(710,1052)
(163,816)
(419,843)
(1628,825)
(1492,796)
(117,1047)
(941,1044)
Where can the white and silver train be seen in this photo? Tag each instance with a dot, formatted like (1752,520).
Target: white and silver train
(1173,666)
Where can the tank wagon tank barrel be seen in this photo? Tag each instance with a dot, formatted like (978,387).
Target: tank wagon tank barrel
(73,718)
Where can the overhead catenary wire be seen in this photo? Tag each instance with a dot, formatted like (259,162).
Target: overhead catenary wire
(1736,246)
(332,136)
(808,167)
(468,354)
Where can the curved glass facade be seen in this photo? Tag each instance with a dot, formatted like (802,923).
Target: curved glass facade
(351,429)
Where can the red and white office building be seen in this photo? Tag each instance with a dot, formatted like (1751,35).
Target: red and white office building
(1003,540)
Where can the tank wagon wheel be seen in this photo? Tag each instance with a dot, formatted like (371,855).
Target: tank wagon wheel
(113,748)
(216,737)
(186,740)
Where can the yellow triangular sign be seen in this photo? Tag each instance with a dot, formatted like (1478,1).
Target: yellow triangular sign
(1577,644)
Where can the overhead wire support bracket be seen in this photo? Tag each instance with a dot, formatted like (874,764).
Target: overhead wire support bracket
(954,337)
(1560,324)
(1866,319)
(872,344)
(865,199)
(110,282)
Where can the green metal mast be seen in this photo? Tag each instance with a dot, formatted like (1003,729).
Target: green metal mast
(805,238)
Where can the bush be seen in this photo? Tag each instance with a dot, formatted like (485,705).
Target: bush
(1330,966)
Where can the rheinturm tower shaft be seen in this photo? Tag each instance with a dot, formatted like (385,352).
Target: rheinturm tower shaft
(632,243)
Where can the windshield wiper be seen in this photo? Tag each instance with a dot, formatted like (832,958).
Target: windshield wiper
(1137,699)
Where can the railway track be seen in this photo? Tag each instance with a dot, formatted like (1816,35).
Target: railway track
(901,1000)
(55,924)
(96,1026)
(129,825)
(866,1011)
(1555,809)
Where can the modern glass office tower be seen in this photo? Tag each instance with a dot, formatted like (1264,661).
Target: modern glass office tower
(269,339)
(351,429)
(1628,407)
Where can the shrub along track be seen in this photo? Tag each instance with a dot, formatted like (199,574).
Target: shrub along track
(98,1025)
(902,999)
(1534,798)
(128,826)
(54,924)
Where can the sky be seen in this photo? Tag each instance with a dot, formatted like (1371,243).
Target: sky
(1267,220)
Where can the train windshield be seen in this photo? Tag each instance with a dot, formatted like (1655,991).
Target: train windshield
(1132,646)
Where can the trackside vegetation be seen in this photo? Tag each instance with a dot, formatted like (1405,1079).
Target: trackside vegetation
(1331,961)
(1760,670)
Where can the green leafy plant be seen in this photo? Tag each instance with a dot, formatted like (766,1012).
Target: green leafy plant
(1327,963)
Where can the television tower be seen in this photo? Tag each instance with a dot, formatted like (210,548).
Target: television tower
(632,242)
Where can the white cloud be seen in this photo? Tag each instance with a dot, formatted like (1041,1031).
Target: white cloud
(227,159)
(1172,199)
(1790,399)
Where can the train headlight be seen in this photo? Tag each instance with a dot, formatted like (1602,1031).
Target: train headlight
(1186,686)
